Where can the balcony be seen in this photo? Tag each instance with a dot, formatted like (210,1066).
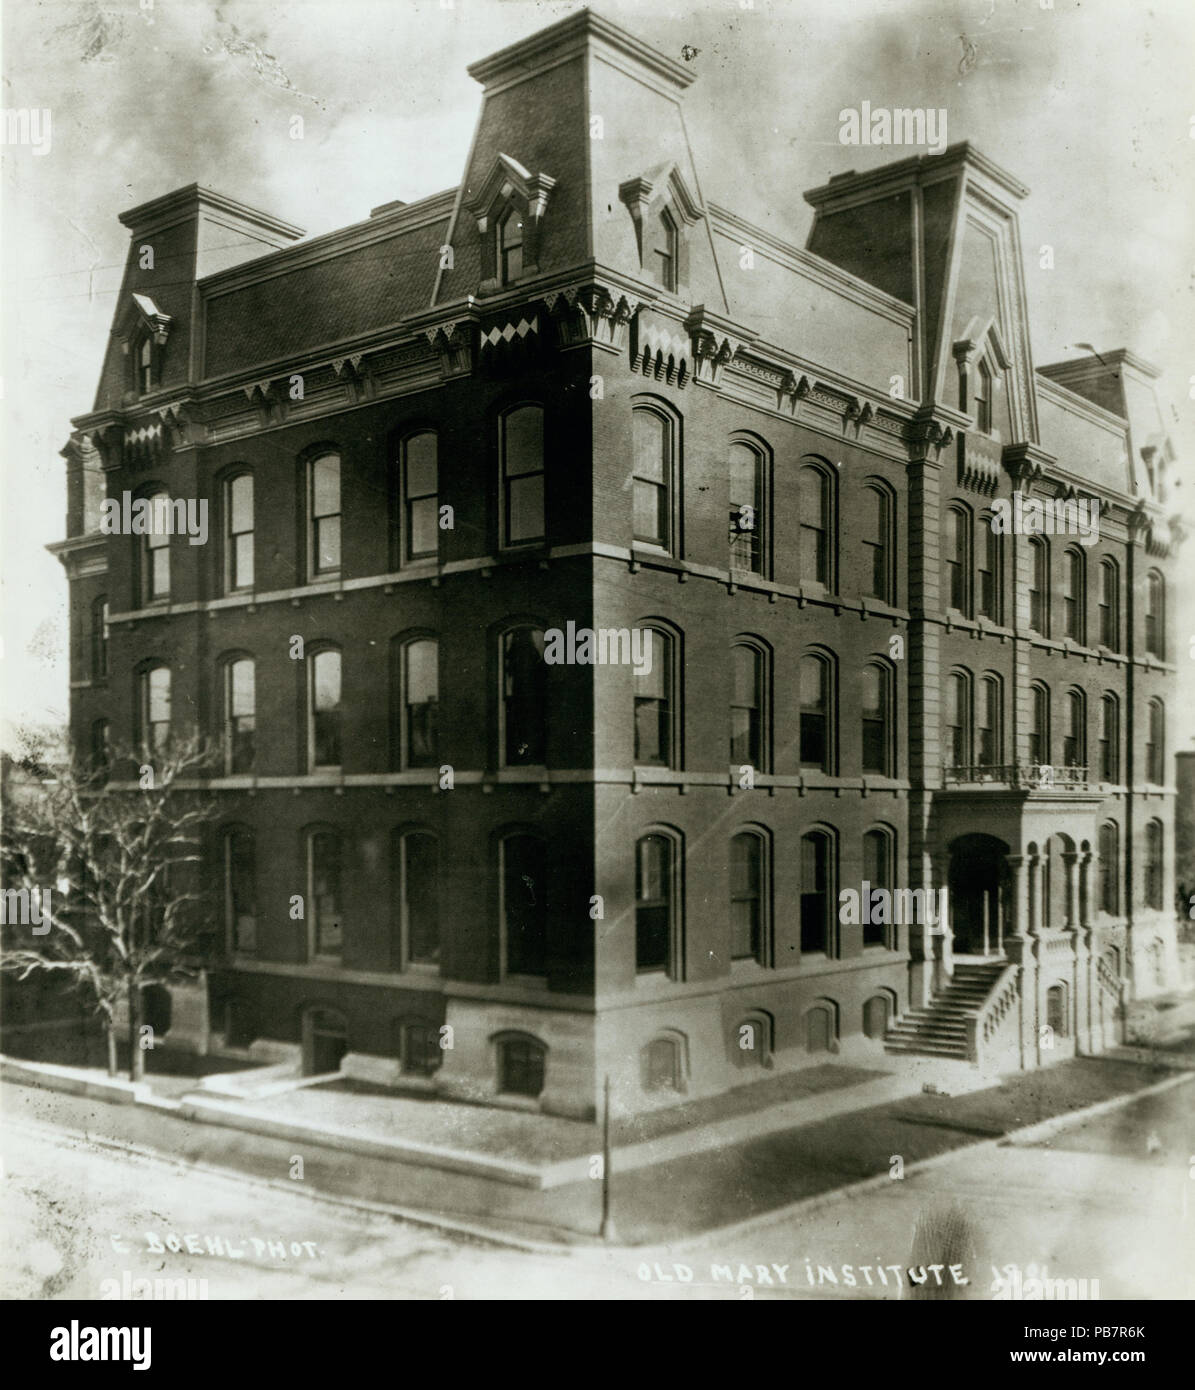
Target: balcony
(1029,776)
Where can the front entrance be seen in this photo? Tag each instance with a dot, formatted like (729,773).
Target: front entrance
(978,898)
(325,1041)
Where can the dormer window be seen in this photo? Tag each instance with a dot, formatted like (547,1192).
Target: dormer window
(983,398)
(510,246)
(145,366)
(664,251)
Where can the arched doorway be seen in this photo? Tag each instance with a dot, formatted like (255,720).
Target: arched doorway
(325,1041)
(978,903)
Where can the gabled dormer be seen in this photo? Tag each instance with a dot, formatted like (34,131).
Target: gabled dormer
(664,213)
(983,365)
(509,210)
(143,330)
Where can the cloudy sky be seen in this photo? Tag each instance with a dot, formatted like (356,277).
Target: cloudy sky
(1087,103)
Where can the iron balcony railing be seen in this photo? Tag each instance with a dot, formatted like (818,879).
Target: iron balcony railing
(1034,776)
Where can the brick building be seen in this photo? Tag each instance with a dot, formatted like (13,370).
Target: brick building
(573,391)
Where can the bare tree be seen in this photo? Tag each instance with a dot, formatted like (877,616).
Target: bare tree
(120,864)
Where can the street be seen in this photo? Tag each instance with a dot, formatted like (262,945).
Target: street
(1107,1200)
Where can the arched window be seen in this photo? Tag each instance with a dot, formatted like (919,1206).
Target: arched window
(1057,1014)
(983,397)
(1039,725)
(654,478)
(1153,865)
(417,1043)
(1155,615)
(1110,604)
(418,512)
(877,1012)
(663,1065)
(747,706)
(821,1028)
(510,245)
(1109,850)
(1074,599)
(1109,738)
(101,748)
(522,1062)
(751,1044)
(524,697)
(989,723)
(878,545)
(324,716)
(957,550)
(415,880)
(153,553)
(657,714)
(878,871)
(145,364)
(817,700)
(990,572)
(817,873)
(876,702)
(815,501)
(323,511)
(657,919)
(958,718)
(748,897)
(1155,747)
(417,672)
(663,258)
(240,890)
(240,715)
(324,894)
(154,709)
(1039,586)
(747,517)
(1074,743)
(238,532)
(522,447)
(524,907)
(99,638)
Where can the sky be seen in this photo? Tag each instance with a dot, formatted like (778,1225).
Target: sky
(1088,102)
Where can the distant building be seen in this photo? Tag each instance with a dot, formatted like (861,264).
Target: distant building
(571,390)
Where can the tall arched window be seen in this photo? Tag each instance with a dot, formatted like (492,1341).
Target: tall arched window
(1153,865)
(877,543)
(657,917)
(876,711)
(415,880)
(748,897)
(746,706)
(817,933)
(982,395)
(524,905)
(1109,738)
(153,552)
(1074,743)
(1155,747)
(958,718)
(1074,599)
(989,722)
(145,364)
(240,715)
(522,447)
(990,572)
(815,501)
(238,532)
(99,638)
(324,716)
(1109,849)
(418,513)
(957,550)
(663,250)
(747,517)
(1109,604)
(323,511)
(510,245)
(1155,615)
(817,694)
(325,893)
(240,890)
(418,675)
(1039,586)
(878,869)
(654,478)
(657,716)
(154,709)
(524,698)
(1039,724)
(101,748)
